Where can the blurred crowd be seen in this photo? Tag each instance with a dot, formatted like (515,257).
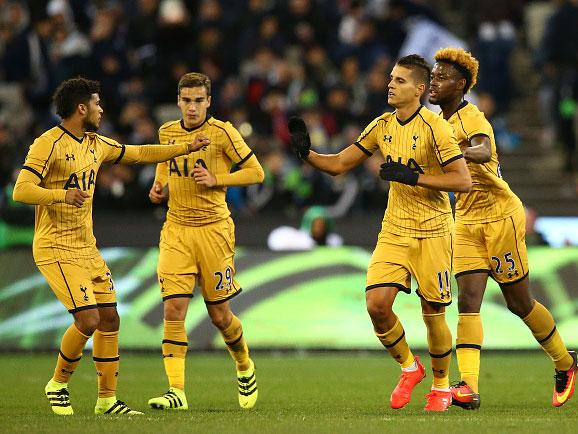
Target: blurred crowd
(327,60)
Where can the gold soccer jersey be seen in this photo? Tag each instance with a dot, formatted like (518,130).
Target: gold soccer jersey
(191,204)
(426,143)
(58,161)
(490,198)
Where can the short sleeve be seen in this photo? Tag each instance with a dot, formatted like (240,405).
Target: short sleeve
(40,157)
(446,145)
(476,125)
(111,150)
(234,146)
(367,141)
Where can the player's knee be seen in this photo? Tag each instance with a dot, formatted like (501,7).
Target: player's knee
(175,311)
(378,310)
(88,322)
(109,322)
(221,319)
(519,307)
(468,305)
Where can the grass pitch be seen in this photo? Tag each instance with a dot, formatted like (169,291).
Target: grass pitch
(326,393)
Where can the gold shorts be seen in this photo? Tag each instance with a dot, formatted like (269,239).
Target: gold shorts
(80,285)
(203,252)
(397,258)
(497,248)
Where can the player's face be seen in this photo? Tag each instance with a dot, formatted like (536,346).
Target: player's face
(93,114)
(443,83)
(194,102)
(402,88)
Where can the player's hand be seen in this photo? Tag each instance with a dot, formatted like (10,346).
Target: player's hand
(157,193)
(300,141)
(200,141)
(76,197)
(203,176)
(398,172)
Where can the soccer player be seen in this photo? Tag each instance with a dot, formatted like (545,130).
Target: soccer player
(490,236)
(59,177)
(197,241)
(423,159)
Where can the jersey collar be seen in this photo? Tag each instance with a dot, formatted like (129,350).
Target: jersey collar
(461,106)
(70,134)
(194,128)
(408,120)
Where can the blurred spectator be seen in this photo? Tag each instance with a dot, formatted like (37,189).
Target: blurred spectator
(317,229)
(268,60)
(533,236)
(559,58)
(494,23)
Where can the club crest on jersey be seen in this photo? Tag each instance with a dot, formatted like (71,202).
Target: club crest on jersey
(414,145)
(83,290)
(81,181)
(387,138)
(93,154)
(411,163)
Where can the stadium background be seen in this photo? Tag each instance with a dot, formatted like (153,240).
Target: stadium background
(327,60)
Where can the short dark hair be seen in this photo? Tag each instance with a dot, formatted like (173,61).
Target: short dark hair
(420,69)
(195,79)
(72,92)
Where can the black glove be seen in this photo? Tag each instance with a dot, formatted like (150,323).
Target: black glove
(300,142)
(398,172)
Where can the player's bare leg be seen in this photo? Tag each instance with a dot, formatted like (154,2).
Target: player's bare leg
(540,322)
(389,331)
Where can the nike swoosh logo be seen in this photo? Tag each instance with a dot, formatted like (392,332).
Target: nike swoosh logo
(464,395)
(562,398)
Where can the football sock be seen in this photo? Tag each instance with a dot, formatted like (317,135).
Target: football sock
(236,344)
(71,346)
(106,361)
(468,347)
(542,325)
(394,341)
(439,339)
(175,344)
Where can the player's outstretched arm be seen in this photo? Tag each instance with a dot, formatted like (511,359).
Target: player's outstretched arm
(143,154)
(333,164)
(337,164)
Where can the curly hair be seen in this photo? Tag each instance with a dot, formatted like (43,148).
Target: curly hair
(463,61)
(72,92)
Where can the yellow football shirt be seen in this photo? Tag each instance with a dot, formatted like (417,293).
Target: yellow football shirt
(491,198)
(191,204)
(425,142)
(60,161)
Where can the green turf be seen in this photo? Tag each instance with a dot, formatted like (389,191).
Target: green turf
(344,393)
